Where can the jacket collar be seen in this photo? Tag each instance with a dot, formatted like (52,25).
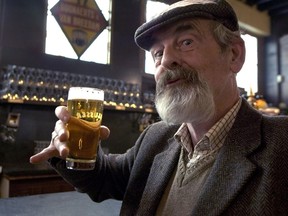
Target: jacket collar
(232,167)
(162,169)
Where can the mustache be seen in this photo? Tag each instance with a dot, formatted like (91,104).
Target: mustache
(191,76)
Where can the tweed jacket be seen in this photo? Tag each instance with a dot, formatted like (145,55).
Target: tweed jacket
(249,175)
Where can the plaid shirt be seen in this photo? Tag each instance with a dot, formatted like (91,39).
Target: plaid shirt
(194,158)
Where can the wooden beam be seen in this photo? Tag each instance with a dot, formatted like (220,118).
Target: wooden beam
(251,19)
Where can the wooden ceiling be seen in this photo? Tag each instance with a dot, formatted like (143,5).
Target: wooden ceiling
(273,7)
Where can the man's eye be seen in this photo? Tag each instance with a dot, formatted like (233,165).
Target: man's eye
(157,54)
(186,45)
(187,42)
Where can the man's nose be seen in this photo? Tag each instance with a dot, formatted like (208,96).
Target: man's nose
(171,58)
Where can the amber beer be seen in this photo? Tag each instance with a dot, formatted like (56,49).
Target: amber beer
(86,108)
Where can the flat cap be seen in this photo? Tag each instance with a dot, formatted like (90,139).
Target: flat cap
(218,10)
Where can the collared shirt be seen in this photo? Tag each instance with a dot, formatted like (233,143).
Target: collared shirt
(195,157)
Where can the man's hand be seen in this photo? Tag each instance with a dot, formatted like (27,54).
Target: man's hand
(60,135)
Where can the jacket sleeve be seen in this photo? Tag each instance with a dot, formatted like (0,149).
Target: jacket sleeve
(110,177)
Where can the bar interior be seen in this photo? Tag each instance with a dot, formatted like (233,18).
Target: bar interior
(101,52)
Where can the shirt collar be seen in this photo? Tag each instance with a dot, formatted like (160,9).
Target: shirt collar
(214,137)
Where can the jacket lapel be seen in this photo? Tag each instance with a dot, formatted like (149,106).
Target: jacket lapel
(162,170)
(232,167)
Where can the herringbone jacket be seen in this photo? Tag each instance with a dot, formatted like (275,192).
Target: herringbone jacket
(249,176)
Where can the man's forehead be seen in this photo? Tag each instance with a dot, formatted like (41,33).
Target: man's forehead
(197,24)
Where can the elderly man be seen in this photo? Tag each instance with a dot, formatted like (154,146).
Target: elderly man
(212,154)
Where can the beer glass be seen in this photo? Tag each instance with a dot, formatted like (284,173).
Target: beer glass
(86,108)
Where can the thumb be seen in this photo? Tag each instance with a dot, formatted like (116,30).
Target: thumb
(104,132)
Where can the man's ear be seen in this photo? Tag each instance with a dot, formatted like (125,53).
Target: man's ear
(238,55)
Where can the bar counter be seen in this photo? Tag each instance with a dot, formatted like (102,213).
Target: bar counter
(25,179)
(62,204)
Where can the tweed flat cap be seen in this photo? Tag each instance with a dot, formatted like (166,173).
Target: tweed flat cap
(218,10)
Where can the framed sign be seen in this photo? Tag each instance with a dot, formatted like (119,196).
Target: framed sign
(81,21)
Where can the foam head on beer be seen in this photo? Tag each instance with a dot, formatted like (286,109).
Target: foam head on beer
(85,93)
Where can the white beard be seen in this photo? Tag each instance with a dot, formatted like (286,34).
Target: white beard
(189,102)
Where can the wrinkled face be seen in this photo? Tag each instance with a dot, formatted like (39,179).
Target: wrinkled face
(192,73)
